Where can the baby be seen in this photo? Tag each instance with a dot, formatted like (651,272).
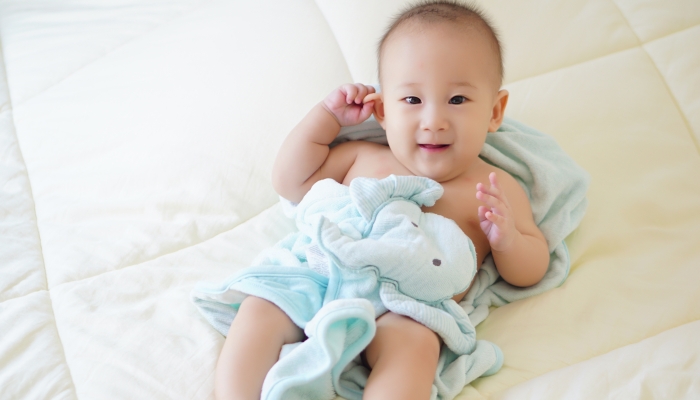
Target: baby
(440,71)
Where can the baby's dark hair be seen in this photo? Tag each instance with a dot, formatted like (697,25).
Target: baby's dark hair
(441,11)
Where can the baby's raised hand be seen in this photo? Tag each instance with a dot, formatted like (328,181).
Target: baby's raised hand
(346,103)
(496,218)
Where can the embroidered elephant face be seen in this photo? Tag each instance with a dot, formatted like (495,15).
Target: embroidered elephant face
(426,256)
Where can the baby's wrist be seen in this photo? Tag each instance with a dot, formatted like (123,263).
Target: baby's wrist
(516,236)
(331,113)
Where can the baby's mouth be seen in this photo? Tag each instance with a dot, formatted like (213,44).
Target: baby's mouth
(433,147)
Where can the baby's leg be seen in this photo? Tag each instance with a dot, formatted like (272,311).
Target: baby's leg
(403,356)
(252,346)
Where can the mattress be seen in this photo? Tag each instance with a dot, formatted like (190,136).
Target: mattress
(136,144)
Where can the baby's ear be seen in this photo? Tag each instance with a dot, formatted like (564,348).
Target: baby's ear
(378,111)
(499,109)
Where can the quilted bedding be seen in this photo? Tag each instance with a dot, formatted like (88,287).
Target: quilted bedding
(136,144)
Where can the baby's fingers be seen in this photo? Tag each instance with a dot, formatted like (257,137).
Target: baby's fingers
(494,190)
(489,200)
(361,93)
(494,179)
(482,213)
(366,111)
(499,220)
(350,92)
(355,93)
(371,97)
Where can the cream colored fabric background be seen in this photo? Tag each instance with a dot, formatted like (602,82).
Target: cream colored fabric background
(137,139)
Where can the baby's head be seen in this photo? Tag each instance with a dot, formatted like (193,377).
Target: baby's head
(440,71)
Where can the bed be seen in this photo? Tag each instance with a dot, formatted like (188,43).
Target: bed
(137,139)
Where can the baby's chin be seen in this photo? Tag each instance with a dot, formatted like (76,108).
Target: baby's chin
(435,173)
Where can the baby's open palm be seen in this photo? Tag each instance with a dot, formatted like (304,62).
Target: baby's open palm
(496,217)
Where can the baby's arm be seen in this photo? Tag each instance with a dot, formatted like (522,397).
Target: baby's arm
(305,157)
(518,247)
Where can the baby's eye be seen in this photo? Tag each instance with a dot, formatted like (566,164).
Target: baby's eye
(412,100)
(458,100)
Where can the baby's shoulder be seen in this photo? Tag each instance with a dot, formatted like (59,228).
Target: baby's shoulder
(351,151)
(369,160)
(360,146)
(360,150)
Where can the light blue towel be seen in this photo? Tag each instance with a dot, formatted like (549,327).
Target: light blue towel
(334,291)
(361,251)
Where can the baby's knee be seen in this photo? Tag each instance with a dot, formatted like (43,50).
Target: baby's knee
(258,304)
(421,340)
(261,309)
(402,335)
(409,328)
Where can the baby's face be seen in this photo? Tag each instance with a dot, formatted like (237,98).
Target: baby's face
(439,89)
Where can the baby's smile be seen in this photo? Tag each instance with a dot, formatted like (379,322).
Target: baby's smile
(433,148)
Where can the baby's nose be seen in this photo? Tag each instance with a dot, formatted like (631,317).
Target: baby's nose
(434,119)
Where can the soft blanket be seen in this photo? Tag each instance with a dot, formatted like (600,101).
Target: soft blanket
(365,249)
